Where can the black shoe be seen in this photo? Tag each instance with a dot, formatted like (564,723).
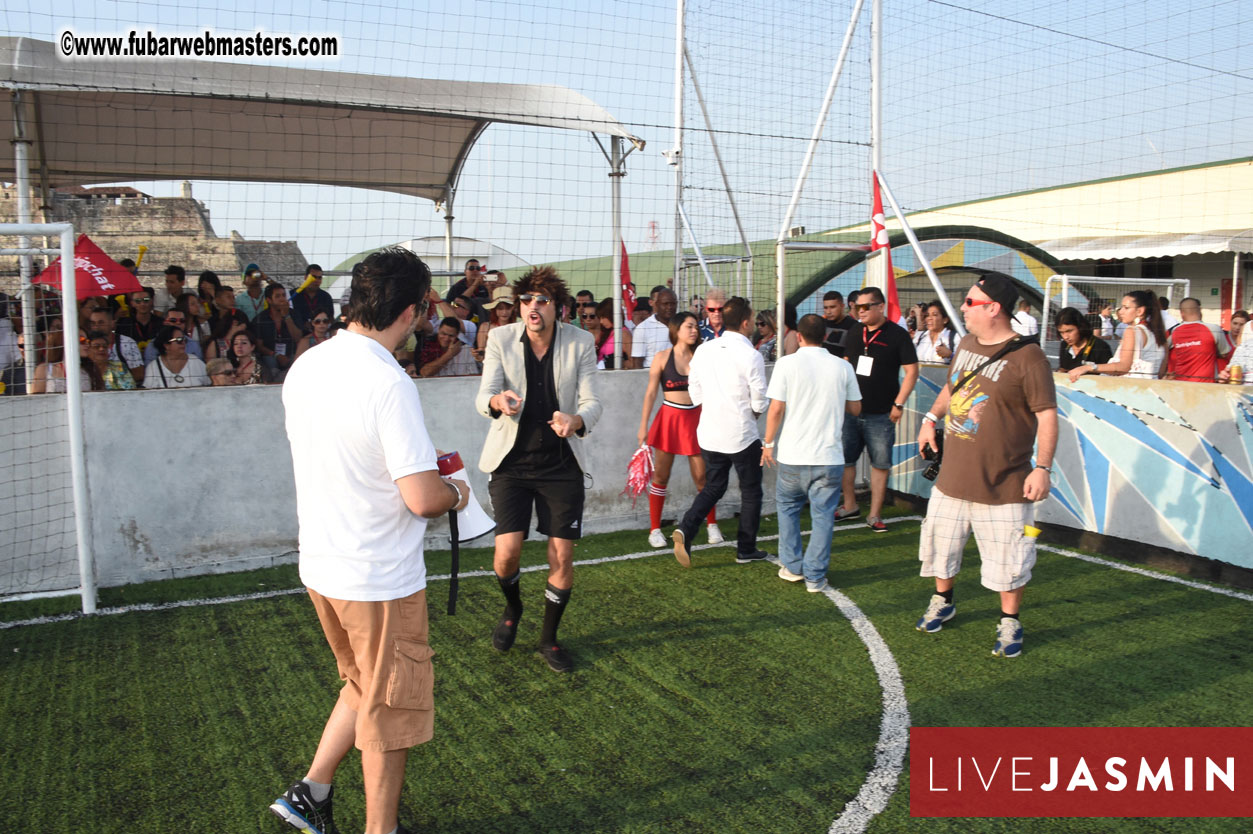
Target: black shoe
(297,809)
(505,633)
(756,556)
(559,659)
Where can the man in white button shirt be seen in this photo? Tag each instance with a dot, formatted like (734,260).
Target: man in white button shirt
(727,378)
(366,481)
(809,393)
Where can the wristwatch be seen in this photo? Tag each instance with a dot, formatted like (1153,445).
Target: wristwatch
(898,405)
(767,445)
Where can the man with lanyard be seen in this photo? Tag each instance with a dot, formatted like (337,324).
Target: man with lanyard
(538,391)
(1000,403)
(878,349)
(727,379)
(363,493)
(279,335)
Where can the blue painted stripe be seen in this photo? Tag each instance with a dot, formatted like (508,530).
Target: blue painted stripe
(1236,482)
(1097,466)
(1122,419)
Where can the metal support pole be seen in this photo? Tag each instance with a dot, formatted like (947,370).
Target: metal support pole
(1235,284)
(722,169)
(675,156)
(21,164)
(809,154)
(876,85)
(616,174)
(954,319)
(74,408)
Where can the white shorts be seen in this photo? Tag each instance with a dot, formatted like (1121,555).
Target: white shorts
(1006,553)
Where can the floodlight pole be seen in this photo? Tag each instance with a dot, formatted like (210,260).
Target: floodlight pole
(616,174)
(779,250)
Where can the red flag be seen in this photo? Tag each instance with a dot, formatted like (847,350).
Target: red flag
(879,240)
(95,272)
(628,294)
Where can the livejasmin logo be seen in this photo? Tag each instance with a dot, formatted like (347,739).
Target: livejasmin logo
(1081,772)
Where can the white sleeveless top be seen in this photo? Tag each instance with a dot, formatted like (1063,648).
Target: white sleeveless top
(1146,360)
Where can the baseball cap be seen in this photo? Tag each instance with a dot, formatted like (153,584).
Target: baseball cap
(1000,288)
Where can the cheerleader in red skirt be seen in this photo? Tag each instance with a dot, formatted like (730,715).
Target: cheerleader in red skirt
(674,429)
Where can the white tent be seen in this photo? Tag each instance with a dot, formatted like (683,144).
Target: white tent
(93,121)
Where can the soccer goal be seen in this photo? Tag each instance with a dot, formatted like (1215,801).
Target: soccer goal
(44,540)
(1090,295)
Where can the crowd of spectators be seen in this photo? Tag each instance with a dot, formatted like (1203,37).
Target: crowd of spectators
(172,337)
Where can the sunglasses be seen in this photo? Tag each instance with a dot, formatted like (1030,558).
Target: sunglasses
(474,269)
(539,300)
(175,322)
(970,302)
(860,307)
(587,315)
(456,305)
(761,323)
(178,340)
(713,309)
(143,300)
(321,321)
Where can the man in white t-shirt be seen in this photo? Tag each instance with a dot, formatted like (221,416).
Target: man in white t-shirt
(653,333)
(809,393)
(366,481)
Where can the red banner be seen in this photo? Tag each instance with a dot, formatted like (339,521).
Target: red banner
(879,240)
(628,294)
(1081,772)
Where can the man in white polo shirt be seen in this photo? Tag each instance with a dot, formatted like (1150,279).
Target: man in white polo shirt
(809,393)
(366,481)
(727,378)
(653,333)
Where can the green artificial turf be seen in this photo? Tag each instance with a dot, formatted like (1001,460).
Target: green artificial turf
(712,699)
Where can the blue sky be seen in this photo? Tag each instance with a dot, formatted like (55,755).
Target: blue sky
(980,98)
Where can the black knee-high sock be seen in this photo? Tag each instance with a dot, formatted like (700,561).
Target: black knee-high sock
(511,588)
(555,602)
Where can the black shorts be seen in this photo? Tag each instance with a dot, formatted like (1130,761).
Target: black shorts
(558,500)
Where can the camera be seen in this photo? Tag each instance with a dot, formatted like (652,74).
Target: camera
(935,456)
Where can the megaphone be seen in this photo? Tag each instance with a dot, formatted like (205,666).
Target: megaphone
(472,522)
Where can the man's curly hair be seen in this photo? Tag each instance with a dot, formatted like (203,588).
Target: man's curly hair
(543,280)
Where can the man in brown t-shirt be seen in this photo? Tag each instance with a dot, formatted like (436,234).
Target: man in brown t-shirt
(987,482)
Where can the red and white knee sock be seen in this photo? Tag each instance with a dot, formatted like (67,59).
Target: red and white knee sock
(656,501)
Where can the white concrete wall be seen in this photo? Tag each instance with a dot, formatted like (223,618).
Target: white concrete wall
(176,489)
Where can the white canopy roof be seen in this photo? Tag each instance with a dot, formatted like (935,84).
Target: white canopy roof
(95,121)
(1120,247)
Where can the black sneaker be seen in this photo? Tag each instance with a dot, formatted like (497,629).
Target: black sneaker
(559,659)
(505,633)
(297,809)
(756,556)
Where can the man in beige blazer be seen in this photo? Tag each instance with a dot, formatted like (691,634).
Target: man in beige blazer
(538,391)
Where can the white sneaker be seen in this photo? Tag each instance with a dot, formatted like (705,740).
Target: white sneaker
(656,539)
(715,535)
(787,576)
(816,587)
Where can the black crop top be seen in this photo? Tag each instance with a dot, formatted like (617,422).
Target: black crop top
(671,379)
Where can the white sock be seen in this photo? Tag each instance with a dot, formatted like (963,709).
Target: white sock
(318,790)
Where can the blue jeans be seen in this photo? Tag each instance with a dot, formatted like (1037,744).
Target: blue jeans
(876,433)
(820,486)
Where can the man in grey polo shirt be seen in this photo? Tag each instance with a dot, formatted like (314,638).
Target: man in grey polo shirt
(366,481)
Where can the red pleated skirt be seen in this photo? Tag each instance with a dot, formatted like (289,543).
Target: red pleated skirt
(674,429)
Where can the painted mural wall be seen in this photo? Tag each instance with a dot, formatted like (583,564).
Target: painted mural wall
(1154,461)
